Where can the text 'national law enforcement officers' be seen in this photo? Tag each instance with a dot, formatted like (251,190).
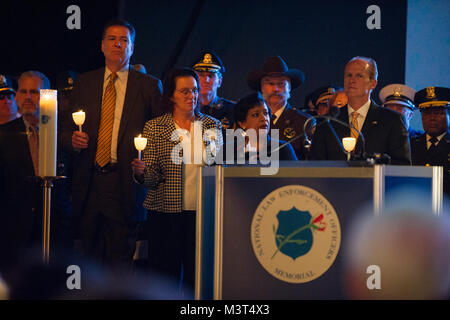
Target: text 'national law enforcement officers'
(210,69)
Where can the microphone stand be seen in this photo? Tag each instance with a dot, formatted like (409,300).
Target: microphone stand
(332,116)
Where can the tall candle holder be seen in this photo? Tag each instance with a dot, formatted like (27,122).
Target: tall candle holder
(47,160)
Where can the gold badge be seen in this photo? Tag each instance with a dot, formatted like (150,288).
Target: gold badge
(289,133)
(430,93)
(207,58)
(397,92)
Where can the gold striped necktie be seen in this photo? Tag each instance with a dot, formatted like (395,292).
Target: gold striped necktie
(354,133)
(103,154)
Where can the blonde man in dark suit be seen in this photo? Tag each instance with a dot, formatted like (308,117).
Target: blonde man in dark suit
(384,130)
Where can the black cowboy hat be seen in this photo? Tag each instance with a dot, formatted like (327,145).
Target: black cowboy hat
(275,66)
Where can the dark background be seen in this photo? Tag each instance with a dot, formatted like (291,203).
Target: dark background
(318,37)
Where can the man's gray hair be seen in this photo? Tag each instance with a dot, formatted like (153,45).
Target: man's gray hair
(36,74)
(373,69)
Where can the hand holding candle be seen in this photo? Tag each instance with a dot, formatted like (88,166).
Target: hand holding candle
(140,144)
(78,118)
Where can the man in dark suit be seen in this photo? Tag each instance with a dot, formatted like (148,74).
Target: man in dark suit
(433,147)
(20,191)
(384,130)
(275,82)
(117,100)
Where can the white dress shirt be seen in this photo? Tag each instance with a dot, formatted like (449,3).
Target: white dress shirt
(362,114)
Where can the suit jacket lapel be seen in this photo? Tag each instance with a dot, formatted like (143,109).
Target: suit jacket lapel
(93,119)
(167,127)
(129,102)
(341,130)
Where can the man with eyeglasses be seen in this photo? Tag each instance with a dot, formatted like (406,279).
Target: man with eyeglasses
(275,82)
(433,147)
(210,71)
(8,106)
(117,101)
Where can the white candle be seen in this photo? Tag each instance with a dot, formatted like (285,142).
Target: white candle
(48,132)
(140,144)
(349,144)
(78,118)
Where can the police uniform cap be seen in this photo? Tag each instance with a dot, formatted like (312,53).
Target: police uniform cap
(209,62)
(397,94)
(6,85)
(323,94)
(66,80)
(432,97)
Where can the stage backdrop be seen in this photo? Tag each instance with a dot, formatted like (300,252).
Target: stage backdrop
(318,37)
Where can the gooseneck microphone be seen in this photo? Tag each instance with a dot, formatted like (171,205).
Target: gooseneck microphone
(332,115)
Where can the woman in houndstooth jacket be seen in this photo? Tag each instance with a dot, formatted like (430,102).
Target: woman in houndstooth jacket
(177,143)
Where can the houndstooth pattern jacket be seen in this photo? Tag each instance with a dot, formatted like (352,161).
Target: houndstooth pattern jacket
(162,175)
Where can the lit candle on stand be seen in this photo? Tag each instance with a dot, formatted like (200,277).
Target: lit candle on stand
(349,144)
(140,144)
(48,132)
(78,118)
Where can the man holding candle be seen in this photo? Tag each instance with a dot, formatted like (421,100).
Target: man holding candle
(117,101)
(384,130)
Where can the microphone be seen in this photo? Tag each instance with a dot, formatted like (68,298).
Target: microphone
(332,114)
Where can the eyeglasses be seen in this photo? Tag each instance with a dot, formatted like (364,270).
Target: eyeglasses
(6,96)
(186,91)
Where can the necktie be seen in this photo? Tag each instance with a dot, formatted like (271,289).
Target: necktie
(273,118)
(103,154)
(433,146)
(33,143)
(354,133)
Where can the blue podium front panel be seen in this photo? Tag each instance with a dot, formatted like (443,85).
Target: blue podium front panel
(243,276)
(283,236)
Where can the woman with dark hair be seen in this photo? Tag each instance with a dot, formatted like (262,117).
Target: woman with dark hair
(169,169)
(252,115)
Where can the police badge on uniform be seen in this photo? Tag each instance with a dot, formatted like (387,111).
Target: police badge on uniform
(289,133)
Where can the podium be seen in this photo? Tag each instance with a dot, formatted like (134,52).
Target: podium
(281,236)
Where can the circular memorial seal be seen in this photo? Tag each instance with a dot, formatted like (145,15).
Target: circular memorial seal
(295,234)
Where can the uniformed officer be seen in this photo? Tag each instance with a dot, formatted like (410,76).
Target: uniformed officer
(433,147)
(210,69)
(275,81)
(321,98)
(399,98)
(8,106)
